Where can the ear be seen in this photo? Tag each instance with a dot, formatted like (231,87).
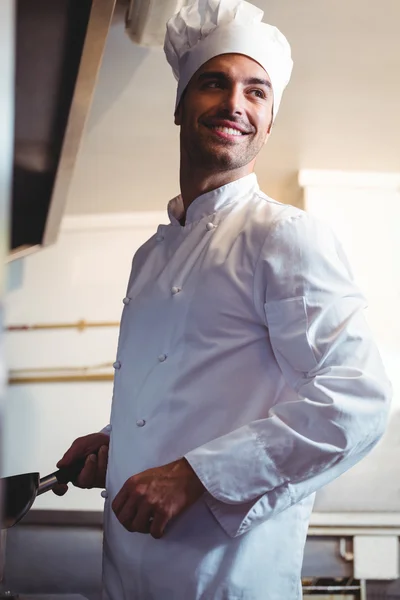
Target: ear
(178,115)
(271,122)
(268,135)
(269,129)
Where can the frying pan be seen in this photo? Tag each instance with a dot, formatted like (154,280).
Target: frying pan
(20,491)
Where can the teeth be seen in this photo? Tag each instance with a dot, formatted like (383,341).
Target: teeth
(228,130)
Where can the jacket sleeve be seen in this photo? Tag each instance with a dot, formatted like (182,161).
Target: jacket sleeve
(313,312)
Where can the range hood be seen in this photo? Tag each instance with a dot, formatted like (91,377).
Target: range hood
(59,48)
(146,20)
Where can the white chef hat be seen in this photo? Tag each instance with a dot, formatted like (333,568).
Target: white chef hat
(209,28)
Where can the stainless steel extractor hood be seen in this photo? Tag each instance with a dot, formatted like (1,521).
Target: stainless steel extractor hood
(59,48)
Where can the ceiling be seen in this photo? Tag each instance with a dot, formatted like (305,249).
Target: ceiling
(340,111)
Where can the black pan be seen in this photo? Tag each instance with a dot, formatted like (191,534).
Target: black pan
(20,491)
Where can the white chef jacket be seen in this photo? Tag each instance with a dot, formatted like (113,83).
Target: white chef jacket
(243,347)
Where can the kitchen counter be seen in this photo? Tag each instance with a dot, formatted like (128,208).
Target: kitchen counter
(51,597)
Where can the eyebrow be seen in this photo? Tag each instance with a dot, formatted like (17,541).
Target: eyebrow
(221,75)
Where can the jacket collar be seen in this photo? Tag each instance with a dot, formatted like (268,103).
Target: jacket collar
(211,202)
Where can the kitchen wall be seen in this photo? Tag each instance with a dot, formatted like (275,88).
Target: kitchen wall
(132,142)
(83,276)
(364,211)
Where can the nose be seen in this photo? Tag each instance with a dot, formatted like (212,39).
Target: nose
(233,102)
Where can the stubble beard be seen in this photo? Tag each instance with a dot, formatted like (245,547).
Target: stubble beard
(217,156)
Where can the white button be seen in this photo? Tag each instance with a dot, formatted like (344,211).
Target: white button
(175,290)
(162,357)
(141,423)
(210,226)
(159,238)
(117,364)
(104,494)
(126,300)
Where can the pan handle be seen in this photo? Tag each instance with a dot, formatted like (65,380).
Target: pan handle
(64,475)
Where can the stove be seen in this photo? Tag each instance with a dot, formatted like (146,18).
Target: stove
(11,596)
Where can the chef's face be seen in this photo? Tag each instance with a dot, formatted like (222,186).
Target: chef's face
(226,113)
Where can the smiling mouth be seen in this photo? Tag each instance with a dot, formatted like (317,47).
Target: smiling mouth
(226,132)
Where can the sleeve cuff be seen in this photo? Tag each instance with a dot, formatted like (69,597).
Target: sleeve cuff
(235,468)
(237,519)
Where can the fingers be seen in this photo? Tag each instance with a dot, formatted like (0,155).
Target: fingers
(60,489)
(158,525)
(119,500)
(102,458)
(74,453)
(127,514)
(133,512)
(157,494)
(94,471)
(137,513)
(83,446)
(126,504)
(87,477)
(143,519)
(95,448)
(92,475)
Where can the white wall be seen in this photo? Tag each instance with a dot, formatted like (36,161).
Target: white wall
(364,211)
(130,154)
(83,276)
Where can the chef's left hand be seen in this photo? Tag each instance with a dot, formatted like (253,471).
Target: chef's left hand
(149,500)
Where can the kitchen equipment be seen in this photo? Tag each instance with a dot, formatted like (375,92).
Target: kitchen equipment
(20,491)
(11,596)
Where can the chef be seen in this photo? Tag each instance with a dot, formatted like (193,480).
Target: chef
(246,377)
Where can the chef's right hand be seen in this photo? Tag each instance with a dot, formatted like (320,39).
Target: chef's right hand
(95,448)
